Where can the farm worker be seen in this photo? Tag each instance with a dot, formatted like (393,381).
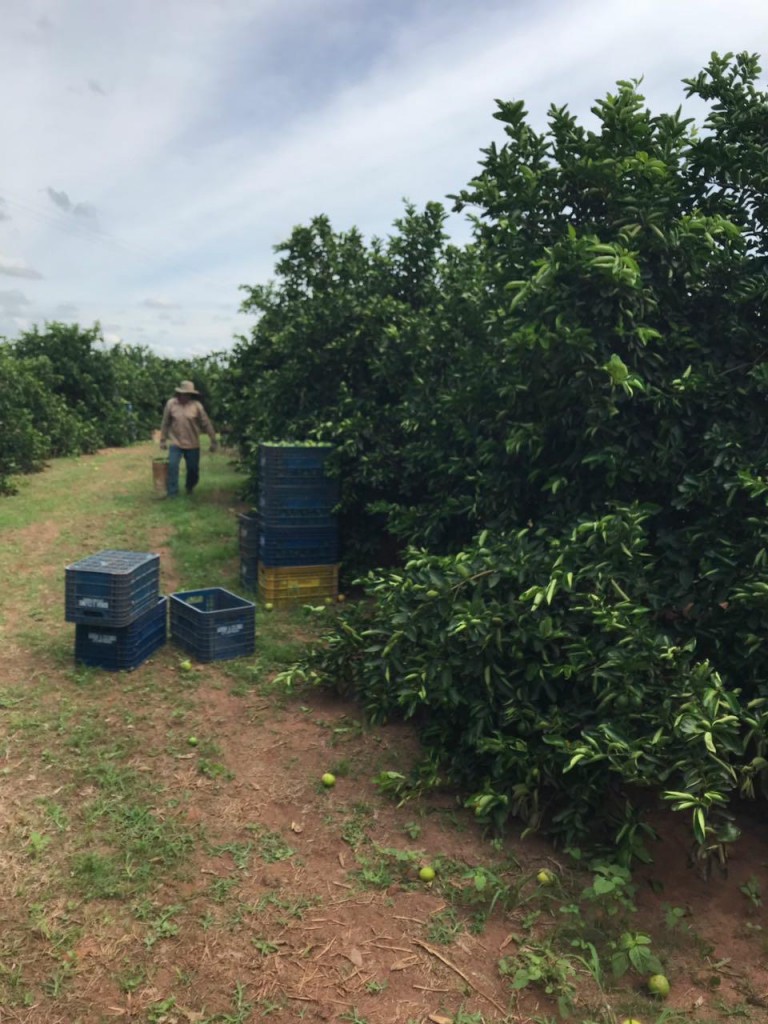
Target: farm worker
(183,419)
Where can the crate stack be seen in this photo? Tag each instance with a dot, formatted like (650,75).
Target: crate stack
(289,544)
(113,598)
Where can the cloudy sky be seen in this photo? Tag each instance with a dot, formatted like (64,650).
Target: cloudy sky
(154,151)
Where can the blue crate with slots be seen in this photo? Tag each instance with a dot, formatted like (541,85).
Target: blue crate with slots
(249,528)
(293,462)
(249,573)
(294,507)
(122,648)
(308,493)
(112,588)
(299,545)
(213,624)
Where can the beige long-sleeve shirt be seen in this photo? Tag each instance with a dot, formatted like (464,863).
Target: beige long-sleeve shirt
(182,423)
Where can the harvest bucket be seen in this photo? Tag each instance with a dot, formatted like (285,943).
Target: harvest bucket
(160,475)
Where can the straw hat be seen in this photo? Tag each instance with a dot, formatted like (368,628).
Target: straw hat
(187,388)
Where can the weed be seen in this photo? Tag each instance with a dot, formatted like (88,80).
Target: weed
(162,927)
(37,843)
(131,978)
(444,926)
(291,909)
(540,966)
(220,889)
(240,852)
(354,831)
(271,846)
(241,1009)
(751,889)
(353,1017)
(57,814)
(157,1013)
(673,917)
(264,947)
(214,769)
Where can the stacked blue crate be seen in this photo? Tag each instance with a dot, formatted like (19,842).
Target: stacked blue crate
(294,523)
(113,598)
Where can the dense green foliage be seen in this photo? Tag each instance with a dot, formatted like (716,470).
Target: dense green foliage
(585,386)
(64,392)
(350,340)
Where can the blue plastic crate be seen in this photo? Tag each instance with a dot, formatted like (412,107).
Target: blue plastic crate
(249,530)
(112,588)
(298,461)
(213,624)
(295,506)
(298,545)
(299,517)
(122,648)
(301,493)
(249,573)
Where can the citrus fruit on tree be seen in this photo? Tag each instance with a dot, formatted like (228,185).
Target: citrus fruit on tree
(658,985)
(427,874)
(328,780)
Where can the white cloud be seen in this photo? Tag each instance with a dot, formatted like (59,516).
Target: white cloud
(13,301)
(15,267)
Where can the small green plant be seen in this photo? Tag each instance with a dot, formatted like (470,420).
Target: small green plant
(353,1017)
(354,831)
(264,947)
(162,926)
(374,987)
(158,1012)
(444,926)
(37,843)
(633,949)
(270,846)
(540,966)
(673,917)
(751,889)
(240,853)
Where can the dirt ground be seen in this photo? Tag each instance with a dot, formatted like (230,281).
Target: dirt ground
(303,903)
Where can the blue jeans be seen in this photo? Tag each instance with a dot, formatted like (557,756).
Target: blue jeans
(192,458)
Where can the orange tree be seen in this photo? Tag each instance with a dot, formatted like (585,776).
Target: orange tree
(63,391)
(581,612)
(353,344)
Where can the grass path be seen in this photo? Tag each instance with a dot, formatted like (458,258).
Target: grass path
(151,880)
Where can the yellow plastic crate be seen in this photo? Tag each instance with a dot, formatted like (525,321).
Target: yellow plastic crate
(289,584)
